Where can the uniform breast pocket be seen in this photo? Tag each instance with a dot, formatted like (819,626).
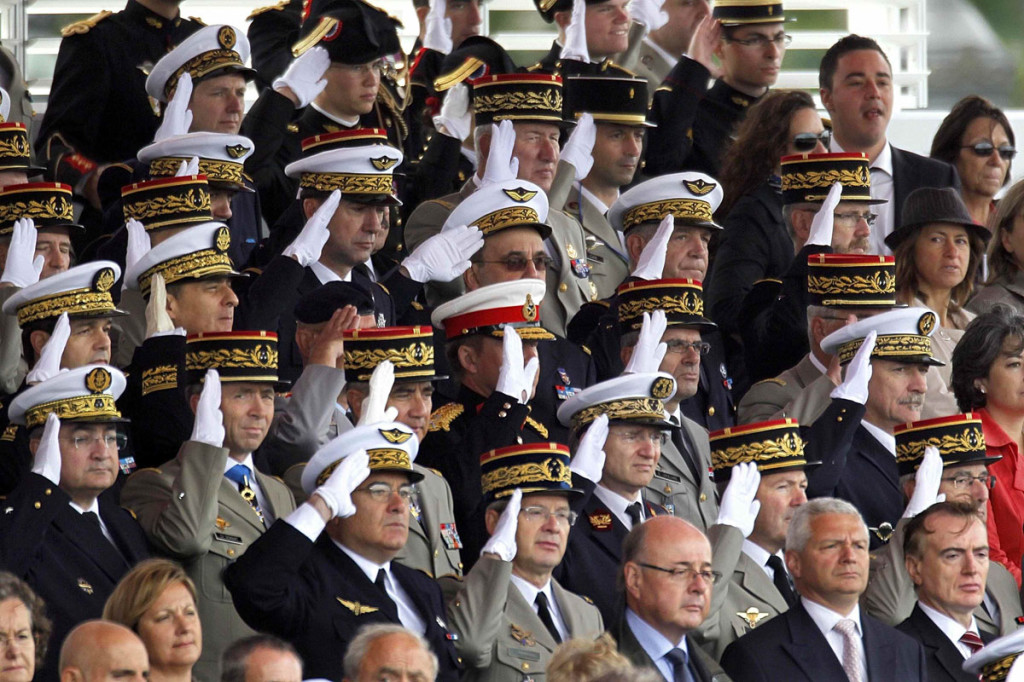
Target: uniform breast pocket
(525,661)
(209,573)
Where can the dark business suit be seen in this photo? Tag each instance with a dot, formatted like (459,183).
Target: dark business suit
(703,668)
(790,647)
(945,662)
(912,171)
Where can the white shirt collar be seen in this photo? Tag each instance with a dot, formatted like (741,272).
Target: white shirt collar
(826,619)
(368,567)
(228,465)
(886,439)
(530,591)
(882,163)
(760,555)
(326,275)
(817,364)
(592,198)
(617,504)
(348,123)
(949,627)
(94,507)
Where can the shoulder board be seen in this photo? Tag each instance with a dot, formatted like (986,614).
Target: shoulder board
(768,280)
(122,166)
(586,349)
(85,25)
(773,380)
(537,426)
(269,8)
(435,471)
(197,20)
(587,599)
(443,416)
(615,69)
(535,67)
(9,433)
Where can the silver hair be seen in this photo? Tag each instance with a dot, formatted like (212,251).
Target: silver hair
(369,634)
(799,531)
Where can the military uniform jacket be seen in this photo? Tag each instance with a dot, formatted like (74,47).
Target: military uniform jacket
(565,369)
(703,668)
(272,32)
(442,170)
(65,558)
(945,662)
(501,637)
(315,596)
(192,513)
(651,65)
(434,542)
(674,485)
(769,397)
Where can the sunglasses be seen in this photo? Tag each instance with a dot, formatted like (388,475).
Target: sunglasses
(983,149)
(518,263)
(806,142)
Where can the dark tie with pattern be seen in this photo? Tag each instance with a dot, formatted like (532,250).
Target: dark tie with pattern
(781,579)
(680,671)
(545,616)
(635,513)
(973,642)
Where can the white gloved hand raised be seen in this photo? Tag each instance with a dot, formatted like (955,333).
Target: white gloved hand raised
(22,267)
(578,149)
(576,34)
(444,256)
(209,422)
(375,405)
(824,220)
(501,165)
(927,480)
(138,246)
(649,13)
(48,364)
(503,541)
(177,117)
(858,373)
(455,119)
(514,379)
(437,35)
(47,462)
(588,460)
(305,75)
(158,321)
(651,263)
(307,246)
(336,492)
(649,350)
(739,508)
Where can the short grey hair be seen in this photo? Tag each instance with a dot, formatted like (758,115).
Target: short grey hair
(369,634)
(235,659)
(799,531)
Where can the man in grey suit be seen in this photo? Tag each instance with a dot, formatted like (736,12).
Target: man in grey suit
(510,614)
(209,504)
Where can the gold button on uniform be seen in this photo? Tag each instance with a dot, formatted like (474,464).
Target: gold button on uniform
(526,666)
(48,491)
(37,505)
(563,287)
(503,414)
(668,489)
(711,411)
(231,552)
(703,497)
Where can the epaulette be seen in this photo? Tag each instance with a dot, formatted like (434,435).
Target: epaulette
(197,20)
(537,426)
(586,349)
(609,65)
(85,25)
(442,417)
(269,8)
(435,471)
(587,599)
(9,433)
(254,270)
(773,380)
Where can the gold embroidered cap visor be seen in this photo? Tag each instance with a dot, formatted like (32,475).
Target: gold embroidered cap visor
(690,197)
(958,438)
(522,97)
(211,51)
(807,178)
(530,467)
(197,253)
(904,335)
(680,299)
(83,394)
(851,281)
(168,202)
(363,173)
(775,446)
(82,292)
(490,309)
(391,446)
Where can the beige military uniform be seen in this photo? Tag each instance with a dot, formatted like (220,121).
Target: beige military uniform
(433,544)
(674,487)
(769,397)
(652,65)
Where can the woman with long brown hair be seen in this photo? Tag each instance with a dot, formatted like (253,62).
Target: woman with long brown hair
(1005,283)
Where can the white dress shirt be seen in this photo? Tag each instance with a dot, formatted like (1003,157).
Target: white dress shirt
(886,439)
(617,504)
(406,610)
(952,629)
(326,275)
(654,644)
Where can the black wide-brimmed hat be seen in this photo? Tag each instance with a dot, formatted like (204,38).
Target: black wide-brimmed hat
(930,205)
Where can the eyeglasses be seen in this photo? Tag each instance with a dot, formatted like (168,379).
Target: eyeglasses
(109,442)
(382,492)
(850,219)
(538,514)
(962,481)
(761,41)
(983,149)
(635,436)
(680,346)
(541,261)
(686,575)
(806,142)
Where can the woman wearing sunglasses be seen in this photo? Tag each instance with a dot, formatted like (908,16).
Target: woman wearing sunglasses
(976,137)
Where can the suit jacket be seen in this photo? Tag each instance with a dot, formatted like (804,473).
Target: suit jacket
(501,637)
(63,557)
(1007,291)
(315,596)
(702,667)
(912,171)
(674,486)
(790,647)
(944,659)
(769,397)
(192,513)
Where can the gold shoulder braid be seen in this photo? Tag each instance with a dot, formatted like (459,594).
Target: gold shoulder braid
(85,25)
(442,417)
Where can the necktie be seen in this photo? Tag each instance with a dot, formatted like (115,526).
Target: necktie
(685,447)
(781,579)
(972,641)
(635,514)
(379,582)
(545,616)
(680,671)
(851,651)
(242,475)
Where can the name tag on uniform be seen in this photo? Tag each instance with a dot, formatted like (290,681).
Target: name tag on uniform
(450,535)
(658,473)
(224,537)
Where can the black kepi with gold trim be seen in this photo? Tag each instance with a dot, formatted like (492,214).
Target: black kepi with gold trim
(410,350)
(994,661)
(774,446)
(352,31)
(48,204)
(489,310)
(531,467)
(475,57)
(391,447)
(609,100)
(249,356)
(743,12)
(353,161)
(82,292)
(840,280)
(196,253)
(168,202)
(637,398)
(533,97)
(83,394)
(681,299)
(16,149)
(691,198)
(503,205)
(807,178)
(958,438)
(904,335)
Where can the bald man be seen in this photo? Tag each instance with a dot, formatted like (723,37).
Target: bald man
(99,650)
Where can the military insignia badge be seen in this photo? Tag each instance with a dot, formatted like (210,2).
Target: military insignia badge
(580,267)
(222,240)
(357,608)
(752,616)
(84,586)
(222,523)
(565,392)
(529,309)
(926,323)
(127,465)
(520,194)
(662,388)
(699,187)
(601,519)
(395,435)
(450,535)
(524,637)
(236,151)
(570,250)
(226,37)
(563,376)
(383,163)
(104,280)
(98,380)
(883,532)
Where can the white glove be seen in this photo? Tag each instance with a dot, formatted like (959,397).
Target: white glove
(649,13)
(588,460)
(438,34)
(48,364)
(738,507)
(651,263)
(926,483)
(138,246)
(375,404)
(177,117)
(209,422)
(576,34)
(22,267)
(858,373)
(649,350)
(158,321)
(513,378)
(501,165)
(821,226)
(578,149)
(503,541)
(307,246)
(444,256)
(191,167)
(336,492)
(455,119)
(46,462)
(305,75)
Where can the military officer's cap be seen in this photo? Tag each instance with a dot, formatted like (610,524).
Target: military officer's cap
(807,178)
(196,253)
(840,280)
(608,100)
(48,204)
(681,300)
(83,394)
(518,97)
(904,335)
(958,438)
(211,51)
(249,356)
(356,162)
(391,447)
(489,310)
(352,31)
(319,305)
(475,57)
(928,205)
(774,446)
(547,8)
(503,205)
(221,157)
(692,198)
(994,661)
(82,292)
(410,350)
(168,202)
(531,467)
(636,398)
(743,12)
